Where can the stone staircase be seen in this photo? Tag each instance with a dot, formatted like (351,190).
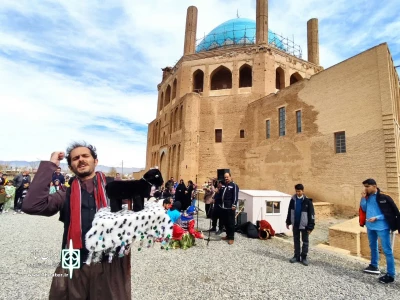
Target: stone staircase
(350,236)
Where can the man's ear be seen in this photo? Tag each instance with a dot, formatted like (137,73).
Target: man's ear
(69,167)
(96,161)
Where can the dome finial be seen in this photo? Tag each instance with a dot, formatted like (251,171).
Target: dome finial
(237,14)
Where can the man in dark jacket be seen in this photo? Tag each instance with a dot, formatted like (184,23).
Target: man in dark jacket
(229,202)
(57,175)
(381,216)
(302,218)
(19,182)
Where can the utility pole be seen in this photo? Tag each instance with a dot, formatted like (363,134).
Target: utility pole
(122,175)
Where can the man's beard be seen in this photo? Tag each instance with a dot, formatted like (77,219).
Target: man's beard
(83,174)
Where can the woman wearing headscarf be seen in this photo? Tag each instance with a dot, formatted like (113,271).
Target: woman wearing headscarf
(188,196)
(180,192)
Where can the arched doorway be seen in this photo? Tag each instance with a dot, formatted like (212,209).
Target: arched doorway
(245,76)
(164,165)
(296,77)
(279,78)
(198,81)
(221,78)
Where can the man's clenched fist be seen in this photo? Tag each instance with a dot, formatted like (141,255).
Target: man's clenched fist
(56,157)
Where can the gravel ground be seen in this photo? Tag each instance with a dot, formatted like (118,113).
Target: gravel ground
(320,234)
(248,269)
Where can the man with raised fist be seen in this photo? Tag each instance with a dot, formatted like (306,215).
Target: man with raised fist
(77,206)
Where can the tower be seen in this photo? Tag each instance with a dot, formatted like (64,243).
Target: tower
(262,22)
(313,41)
(190,31)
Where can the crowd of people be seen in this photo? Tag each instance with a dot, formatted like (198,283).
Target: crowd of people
(221,200)
(185,194)
(378,212)
(13,192)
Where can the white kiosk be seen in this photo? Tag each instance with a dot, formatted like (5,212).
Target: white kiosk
(271,206)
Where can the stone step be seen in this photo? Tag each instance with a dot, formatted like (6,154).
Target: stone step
(351,237)
(323,210)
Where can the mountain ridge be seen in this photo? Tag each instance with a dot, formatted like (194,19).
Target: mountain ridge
(34,164)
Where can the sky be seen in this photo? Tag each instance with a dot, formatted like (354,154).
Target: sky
(73,70)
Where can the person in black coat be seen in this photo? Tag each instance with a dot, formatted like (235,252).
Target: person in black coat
(188,196)
(180,192)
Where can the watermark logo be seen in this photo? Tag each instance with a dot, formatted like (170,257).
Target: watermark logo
(70,259)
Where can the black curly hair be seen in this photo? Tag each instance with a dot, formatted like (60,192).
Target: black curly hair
(75,145)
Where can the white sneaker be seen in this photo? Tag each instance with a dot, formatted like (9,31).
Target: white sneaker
(14,213)
(22,212)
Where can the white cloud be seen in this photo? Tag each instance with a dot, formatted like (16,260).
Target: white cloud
(68,65)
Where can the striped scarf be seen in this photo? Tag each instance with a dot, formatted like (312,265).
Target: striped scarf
(75,226)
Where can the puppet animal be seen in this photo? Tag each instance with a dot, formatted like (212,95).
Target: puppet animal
(114,234)
(133,190)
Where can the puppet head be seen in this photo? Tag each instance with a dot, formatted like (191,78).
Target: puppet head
(154,177)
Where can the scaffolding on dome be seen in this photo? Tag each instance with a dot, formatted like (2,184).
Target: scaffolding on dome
(243,37)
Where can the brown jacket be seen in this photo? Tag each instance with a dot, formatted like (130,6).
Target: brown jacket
(109,281)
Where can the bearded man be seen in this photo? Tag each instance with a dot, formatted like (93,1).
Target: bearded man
(77,206)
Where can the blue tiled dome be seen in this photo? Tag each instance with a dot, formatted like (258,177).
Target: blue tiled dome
(239,31)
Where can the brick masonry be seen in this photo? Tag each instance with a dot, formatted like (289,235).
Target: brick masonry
(359,96)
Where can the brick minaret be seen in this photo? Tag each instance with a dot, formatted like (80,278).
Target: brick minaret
(313,41)
(262,22)
(190,31)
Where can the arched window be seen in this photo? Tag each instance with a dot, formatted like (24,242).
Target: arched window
(295,78)
(163,164)
(155,134)
(221,78)
(170,121)
(161,101)
(198,81)
(167,95)
(279,78)
(174,89)
(176,114)
(178,161)
(245,76)
(158,133)
(180,117)
(173,160)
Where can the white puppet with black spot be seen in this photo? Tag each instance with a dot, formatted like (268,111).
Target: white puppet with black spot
(114,234)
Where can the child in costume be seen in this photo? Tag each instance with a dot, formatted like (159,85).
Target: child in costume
(10,194)
(25,189)
(174,212)
(57,185)
(183,233)
(66,184)
(2,197)
(52,188)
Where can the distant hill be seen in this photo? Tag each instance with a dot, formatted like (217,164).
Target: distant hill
(34,164)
